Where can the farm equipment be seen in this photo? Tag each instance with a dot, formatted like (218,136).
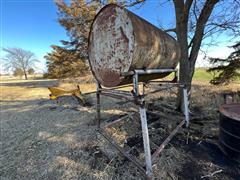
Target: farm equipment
(57,92)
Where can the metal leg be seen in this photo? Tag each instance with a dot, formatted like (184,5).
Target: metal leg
(166,141)
(143,88)
(147,150)
(98,106)
(121,150)
(135,84)
(143,117)
(138,99)
(175,79)
(185,101)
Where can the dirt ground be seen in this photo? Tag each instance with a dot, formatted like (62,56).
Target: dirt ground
(46,139)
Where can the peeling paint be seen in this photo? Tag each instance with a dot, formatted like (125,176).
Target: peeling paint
(120,41)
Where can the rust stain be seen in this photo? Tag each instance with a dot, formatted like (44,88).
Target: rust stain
(124,35)
(122,41)
(231,110)
(108,77)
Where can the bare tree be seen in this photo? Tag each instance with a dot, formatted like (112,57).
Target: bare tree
(17,58)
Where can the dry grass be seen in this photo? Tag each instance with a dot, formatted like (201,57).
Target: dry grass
(41,139)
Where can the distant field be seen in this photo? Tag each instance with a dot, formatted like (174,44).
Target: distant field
(202,74)
(13,78)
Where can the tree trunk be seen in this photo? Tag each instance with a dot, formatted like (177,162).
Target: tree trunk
(182,14)
(198,37)
(184,79)
(188,59)
(25,74)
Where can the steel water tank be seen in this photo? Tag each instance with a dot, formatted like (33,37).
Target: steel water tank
(229,133)
(120,41)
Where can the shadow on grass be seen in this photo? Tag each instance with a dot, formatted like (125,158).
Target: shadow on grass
(32,83)
(42,139)
(45,140)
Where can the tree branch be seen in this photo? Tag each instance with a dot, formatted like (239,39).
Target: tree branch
(199,32)
(133,3)
(187,7)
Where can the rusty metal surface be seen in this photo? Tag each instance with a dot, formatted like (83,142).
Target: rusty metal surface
(137,99)
(120,42)
(231,110)
(135,161)
(229,134)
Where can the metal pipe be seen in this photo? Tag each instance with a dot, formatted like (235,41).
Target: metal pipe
(135,84)
(118,87)
(160,89)
(146,143)
(112,95)
(166,141)
(116,121)
(162,82)
(89,93)
(98,105)
(154,71)
(143,88)
(120,149)
(185,101)
(125,93)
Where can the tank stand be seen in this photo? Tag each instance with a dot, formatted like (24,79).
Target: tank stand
(139,99)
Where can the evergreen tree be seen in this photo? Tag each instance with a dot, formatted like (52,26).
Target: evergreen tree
(71,59)
(229,68)
(76,18)
(63,63)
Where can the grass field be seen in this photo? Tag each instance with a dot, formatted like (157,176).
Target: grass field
(202,74)
(44,139)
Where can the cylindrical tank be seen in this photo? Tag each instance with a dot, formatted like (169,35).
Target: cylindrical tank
(229,133)
(120,41)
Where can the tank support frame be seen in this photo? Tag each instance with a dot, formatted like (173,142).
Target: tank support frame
(139,100)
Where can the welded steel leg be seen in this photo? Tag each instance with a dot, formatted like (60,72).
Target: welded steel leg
(121,150)
(143,117)
(98,106)
(175,79)
(166,141)
(146,143)
(186,111)
(143,88)
(135,84)
(176,75)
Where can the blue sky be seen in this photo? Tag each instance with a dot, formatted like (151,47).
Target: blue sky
(32,24)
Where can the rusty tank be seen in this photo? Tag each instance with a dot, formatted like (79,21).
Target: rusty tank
(229,131)
(120,41)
